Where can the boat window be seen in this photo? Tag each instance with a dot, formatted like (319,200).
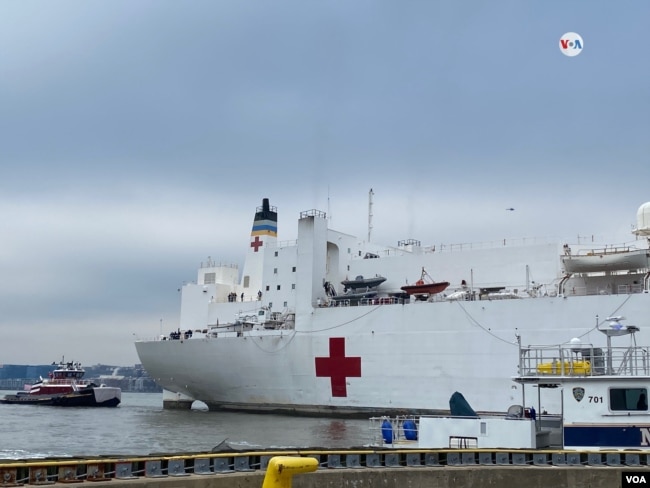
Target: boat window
(628,399)
(246,281)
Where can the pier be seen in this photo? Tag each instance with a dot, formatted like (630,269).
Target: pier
(449,468)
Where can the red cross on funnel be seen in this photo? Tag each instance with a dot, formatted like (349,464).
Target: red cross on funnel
(257,243)
(338,367)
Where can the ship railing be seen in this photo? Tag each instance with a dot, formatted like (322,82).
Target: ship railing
(213,264)
(615,249)
(401,250)
(361,302)
(282,244)
(603,290)
(584,360)
(630,289)
(577,291)
(313,213)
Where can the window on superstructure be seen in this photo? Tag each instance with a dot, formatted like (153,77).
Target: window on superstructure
(275,270)
(278,287)
(247,280)
(268,287)
(285,305)
(293,269)
(293,286)
(209,278)
(276,254)
(635,399)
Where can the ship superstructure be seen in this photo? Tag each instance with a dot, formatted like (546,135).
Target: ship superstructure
(290,335)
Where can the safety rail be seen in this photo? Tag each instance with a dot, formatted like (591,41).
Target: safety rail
(49,471)
(583,360)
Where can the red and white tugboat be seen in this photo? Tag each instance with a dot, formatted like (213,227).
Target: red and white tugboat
(66,387)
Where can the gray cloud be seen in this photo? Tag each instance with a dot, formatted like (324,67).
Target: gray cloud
(133,133)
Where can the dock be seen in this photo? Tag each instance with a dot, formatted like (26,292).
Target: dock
(448,468)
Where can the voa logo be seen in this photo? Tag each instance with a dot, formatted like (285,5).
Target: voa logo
(633,478)
(571,44)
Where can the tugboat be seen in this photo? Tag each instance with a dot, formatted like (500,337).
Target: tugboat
(65,387)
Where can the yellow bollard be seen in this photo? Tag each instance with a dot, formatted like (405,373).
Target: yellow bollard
(281,469)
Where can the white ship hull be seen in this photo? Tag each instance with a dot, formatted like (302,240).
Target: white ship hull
(413,357)
(377,356)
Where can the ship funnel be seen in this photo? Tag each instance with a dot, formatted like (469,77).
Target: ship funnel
(263,235)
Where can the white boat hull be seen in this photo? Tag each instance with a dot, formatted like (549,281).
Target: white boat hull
(601,262)
(438,348)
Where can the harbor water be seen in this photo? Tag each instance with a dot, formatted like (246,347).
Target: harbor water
(141,426)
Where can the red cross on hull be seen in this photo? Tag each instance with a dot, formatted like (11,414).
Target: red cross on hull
(338,367)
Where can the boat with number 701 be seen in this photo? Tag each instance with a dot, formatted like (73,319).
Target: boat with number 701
(603,392)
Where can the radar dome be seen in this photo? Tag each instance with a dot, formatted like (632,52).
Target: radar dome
(643,220)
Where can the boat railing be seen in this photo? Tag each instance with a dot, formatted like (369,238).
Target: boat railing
(404,429)
(394,430)
(67,381)
(583,360)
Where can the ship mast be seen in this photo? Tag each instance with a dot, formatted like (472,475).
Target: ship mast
(370,194)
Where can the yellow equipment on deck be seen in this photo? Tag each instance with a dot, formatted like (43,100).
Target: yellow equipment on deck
(577,368)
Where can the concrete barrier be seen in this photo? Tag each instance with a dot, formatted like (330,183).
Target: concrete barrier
(345,468)
(412,477)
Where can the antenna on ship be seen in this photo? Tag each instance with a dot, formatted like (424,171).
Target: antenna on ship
(329,213)
(370,194)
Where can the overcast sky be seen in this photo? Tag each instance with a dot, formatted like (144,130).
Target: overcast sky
(137,138)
